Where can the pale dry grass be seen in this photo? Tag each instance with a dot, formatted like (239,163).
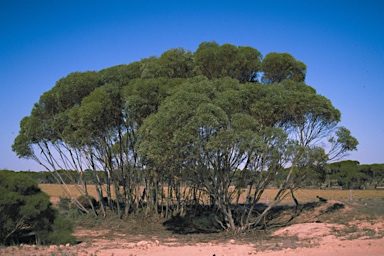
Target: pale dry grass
(57,190)
(302,195)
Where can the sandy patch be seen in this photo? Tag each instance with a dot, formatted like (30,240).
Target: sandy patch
(308,230)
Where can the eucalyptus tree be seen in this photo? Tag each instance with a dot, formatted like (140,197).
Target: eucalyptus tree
(294,121)
(89,121)
(203,133)
(41,134)
(346,174)
(209,129)
(374,174)
(79,116)
(142,97)
(156,122)
(105,127)
(94,127)
(195,134)
(310,121)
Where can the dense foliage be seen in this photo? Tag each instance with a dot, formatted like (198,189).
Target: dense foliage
(187,126)
(25,212)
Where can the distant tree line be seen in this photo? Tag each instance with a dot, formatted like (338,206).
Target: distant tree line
(66,176)
(353,175)
(186,126)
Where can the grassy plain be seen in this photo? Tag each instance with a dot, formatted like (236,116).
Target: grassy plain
(302,195)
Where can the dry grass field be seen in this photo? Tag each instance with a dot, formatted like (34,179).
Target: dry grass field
(303,195)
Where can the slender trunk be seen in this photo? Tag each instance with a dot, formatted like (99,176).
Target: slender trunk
(117,195)
(162,213)
(109,194)
(98,186)
(169,194)
(156,197)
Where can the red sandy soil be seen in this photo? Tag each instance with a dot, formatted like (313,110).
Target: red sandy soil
(319,238)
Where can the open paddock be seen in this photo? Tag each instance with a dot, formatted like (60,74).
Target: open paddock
(302,195)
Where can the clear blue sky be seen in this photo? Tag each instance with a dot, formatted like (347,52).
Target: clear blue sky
(341,42)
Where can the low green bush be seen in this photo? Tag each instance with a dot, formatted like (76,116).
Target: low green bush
(27,215)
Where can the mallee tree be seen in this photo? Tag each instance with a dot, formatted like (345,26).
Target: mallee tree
(188,126)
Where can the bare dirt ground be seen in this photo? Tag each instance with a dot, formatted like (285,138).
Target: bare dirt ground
(326,230)
(317,236)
